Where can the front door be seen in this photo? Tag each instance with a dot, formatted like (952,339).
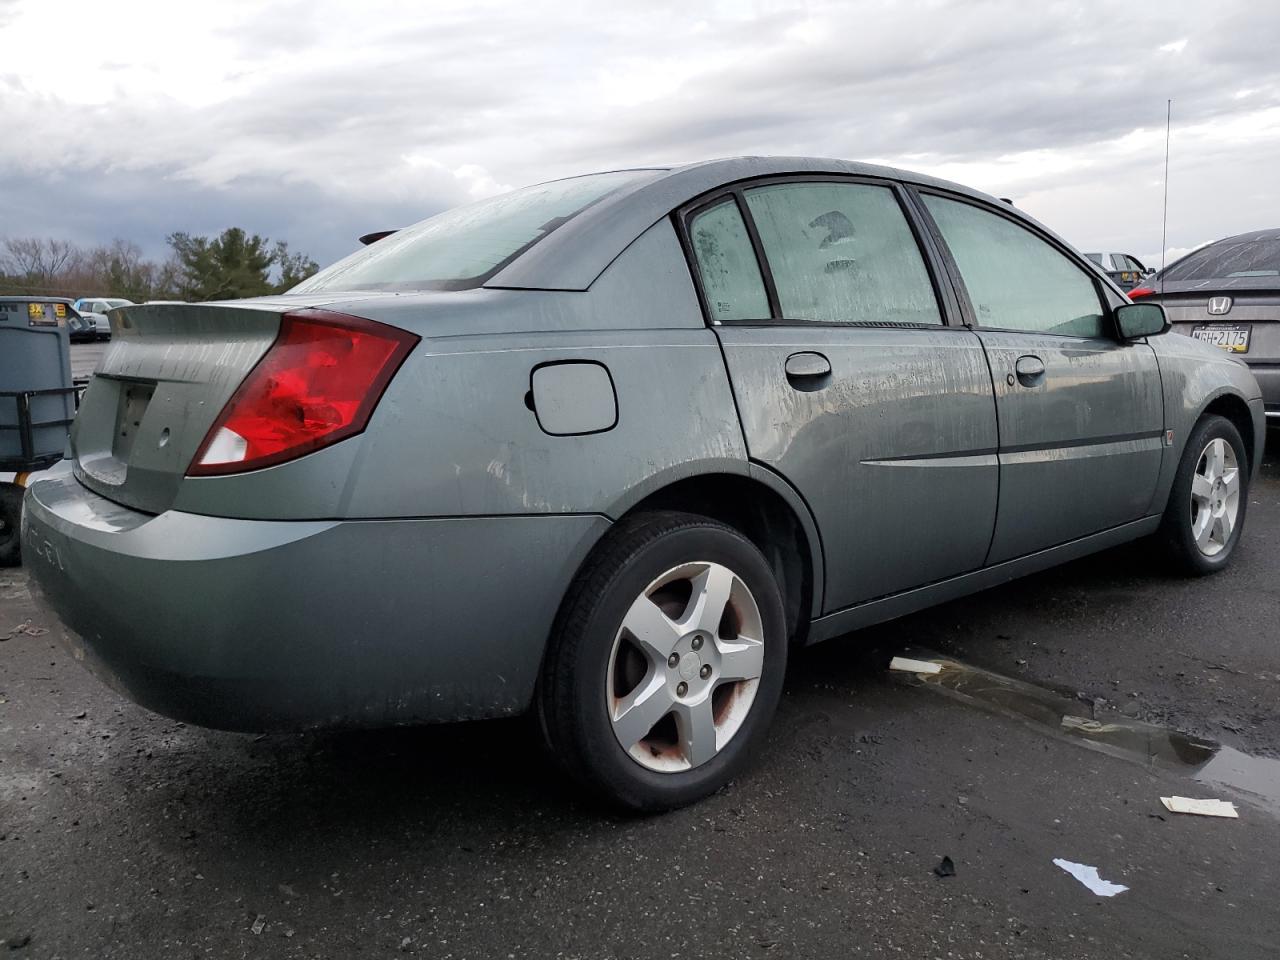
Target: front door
(848,381)
(1081,414)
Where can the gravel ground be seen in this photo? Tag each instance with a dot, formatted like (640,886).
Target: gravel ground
(123,834)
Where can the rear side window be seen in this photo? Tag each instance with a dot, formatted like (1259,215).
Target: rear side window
(1015,280)
(1230,258)
(1096,258)
(842,253)
(463,247)
(731,281)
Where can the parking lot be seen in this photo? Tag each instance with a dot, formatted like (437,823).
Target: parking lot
(123,834)
(85,357)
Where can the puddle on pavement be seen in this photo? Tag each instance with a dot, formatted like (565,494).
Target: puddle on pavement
(1256,779)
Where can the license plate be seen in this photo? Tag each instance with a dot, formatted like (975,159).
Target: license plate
(1232,337)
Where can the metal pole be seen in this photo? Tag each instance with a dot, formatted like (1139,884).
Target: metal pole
(1164,225)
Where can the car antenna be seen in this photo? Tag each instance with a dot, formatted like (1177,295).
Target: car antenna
(1164,223)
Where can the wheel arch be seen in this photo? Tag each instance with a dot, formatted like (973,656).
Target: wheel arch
(1234,408)
(771,514)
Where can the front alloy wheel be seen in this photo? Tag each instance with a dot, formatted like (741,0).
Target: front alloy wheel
(1215,497)
(1205,514)
(667,661)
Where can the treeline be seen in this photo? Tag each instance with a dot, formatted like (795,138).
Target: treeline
(232,264)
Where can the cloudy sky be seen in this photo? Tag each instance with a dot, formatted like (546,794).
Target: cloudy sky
(314,121)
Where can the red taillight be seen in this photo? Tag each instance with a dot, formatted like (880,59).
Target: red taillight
(1137,292)
(318,384)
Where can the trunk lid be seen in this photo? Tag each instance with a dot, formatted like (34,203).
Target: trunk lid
(166,375)
(1249,304)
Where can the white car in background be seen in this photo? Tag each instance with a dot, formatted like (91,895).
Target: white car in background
(95,309)
(1125,269)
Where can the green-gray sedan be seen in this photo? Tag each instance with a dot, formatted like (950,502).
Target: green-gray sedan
(607,448)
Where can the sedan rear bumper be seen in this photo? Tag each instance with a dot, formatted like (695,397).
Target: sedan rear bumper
(270,625)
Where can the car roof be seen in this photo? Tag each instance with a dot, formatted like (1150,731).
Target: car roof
(1271,234)
(571,257)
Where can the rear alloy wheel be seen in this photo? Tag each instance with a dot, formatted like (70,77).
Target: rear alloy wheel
(685,667)
(1206,509)
(668,661)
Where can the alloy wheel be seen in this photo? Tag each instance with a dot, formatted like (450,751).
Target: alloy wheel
(685,666)
(1215,497)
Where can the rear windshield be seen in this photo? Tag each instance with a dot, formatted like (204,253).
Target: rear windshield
(1230,258)
(463,247)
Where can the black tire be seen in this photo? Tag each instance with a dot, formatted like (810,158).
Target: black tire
(1176,527)
(10,524)
(573,690)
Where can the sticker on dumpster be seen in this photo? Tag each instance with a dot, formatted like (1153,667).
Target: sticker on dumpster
(38,316)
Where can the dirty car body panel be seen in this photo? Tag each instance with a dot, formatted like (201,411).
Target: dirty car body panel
(413,570)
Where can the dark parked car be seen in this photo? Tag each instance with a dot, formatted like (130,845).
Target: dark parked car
(80,329)
(607,448)
(97,308)
(1126,270)
(1228,294)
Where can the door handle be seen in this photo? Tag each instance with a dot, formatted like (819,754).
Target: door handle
(1030,371)
(808,371)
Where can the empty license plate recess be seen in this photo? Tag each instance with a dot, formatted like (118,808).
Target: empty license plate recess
(134,398)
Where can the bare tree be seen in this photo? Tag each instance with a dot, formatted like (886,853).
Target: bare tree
(36,259)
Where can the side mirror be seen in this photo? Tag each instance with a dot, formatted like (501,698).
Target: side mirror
(1138,320)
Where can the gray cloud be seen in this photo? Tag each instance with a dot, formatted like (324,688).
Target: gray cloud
(137,206)
(313,122)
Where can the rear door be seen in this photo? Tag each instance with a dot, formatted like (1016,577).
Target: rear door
(1081,414)
(849,380)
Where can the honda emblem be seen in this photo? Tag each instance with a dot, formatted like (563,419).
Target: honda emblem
(1219,305)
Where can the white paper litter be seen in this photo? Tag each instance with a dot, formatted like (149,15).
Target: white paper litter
(1203,808)
(1089,877)
(907,665)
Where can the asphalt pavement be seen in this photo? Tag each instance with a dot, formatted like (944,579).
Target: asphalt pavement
(85,357)
(123,834)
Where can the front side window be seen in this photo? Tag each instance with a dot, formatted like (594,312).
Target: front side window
(460,248)
(727,264)
(1016,280)
(842,253)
